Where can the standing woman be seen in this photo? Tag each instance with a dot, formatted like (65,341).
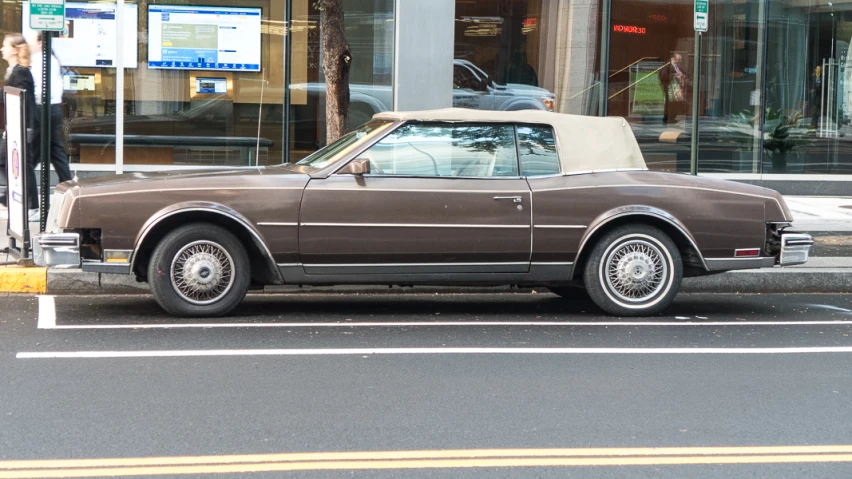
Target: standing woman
(17,53)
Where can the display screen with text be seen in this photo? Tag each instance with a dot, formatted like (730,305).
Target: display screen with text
(89,37)
(204,38)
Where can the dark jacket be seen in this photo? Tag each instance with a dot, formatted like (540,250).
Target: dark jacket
(23,79)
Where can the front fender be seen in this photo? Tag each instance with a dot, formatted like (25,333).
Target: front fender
(516,104)
(207,207)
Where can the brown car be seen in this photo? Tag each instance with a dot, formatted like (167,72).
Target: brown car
(443,197)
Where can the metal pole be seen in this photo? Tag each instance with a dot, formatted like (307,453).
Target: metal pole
(288,49)
(603,94)
(119,86)
(26,244)
(696,86)
(763,42)
(46,56)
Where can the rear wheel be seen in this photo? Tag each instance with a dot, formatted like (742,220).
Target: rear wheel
(634,270)
(199,269)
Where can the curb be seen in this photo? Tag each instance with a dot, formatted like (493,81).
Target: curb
(766,281)
(19,279)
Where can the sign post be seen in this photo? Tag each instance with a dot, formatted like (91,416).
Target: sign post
(700,23)
(47,16)
(17,226)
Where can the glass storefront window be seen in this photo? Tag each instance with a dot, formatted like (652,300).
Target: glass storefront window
(527,54)
(775,90)
(86,50)
(809,88)
(651,82)
(207,86)
(370,32)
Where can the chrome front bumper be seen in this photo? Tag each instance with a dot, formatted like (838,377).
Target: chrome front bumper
(59,250)
(62,250)
(795,248)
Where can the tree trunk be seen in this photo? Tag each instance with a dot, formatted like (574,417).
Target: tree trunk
(336,60)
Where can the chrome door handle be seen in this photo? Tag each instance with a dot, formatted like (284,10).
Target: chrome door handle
(515,199)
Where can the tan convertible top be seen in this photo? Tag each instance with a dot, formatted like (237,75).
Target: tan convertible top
(586,143)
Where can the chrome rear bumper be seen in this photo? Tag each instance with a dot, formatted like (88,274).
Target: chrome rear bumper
(795,248)
(59,250)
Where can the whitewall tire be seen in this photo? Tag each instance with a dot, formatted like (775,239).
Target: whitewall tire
(634,270)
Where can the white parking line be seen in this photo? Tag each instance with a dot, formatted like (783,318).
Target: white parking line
(421,324)
(47,320)
(416,351)
(46,312)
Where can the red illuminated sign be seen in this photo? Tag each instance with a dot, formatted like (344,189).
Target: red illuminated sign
(658,18)
(630,29)
(530,22)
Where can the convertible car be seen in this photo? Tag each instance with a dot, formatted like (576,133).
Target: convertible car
(443,197)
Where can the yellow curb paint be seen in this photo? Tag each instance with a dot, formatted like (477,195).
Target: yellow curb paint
(18,279)
(449,459)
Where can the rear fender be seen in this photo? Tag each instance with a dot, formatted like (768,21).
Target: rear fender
(640,213)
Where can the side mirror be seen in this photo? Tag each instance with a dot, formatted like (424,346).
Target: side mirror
(358,166)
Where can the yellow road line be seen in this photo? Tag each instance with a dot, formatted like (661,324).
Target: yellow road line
(466,458)
(422,464)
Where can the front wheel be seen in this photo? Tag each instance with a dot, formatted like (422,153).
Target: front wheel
(634,270)
(199,269)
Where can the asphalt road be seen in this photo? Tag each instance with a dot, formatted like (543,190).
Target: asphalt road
(424,386)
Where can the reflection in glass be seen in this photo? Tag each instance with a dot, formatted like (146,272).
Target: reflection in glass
(461,150)
(526,54)
(331,153)
(370,33)
(537,148)
(808,87)
(651,82)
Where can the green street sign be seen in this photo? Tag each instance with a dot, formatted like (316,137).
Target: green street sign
(702,15)
(47,14)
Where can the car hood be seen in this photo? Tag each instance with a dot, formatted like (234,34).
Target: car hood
(528,90)
(175,180)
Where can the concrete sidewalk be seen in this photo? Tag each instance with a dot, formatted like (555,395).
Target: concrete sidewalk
(829,270)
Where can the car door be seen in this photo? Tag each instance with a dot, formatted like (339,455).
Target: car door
(560,218)
(441,198)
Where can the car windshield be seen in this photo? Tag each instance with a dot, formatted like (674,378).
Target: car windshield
(331,153)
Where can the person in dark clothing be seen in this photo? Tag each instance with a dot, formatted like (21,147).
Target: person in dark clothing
(673,82)
(58,157)
(17,53)
(520,71)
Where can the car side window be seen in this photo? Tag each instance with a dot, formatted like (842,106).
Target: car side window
(537,149)
(446,150)
(464,78)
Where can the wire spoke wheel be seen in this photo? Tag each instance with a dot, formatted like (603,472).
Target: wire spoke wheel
(202,272)
(635,271)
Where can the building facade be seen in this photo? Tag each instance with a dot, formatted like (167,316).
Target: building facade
(220,83)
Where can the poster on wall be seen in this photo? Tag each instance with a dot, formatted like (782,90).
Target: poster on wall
(89,37)
(15,166)
(204,38)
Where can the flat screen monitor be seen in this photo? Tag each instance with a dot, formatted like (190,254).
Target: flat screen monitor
(204,38)
(211,85)
(89,39)
(78,82)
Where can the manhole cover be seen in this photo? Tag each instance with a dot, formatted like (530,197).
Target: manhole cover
(848,207)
